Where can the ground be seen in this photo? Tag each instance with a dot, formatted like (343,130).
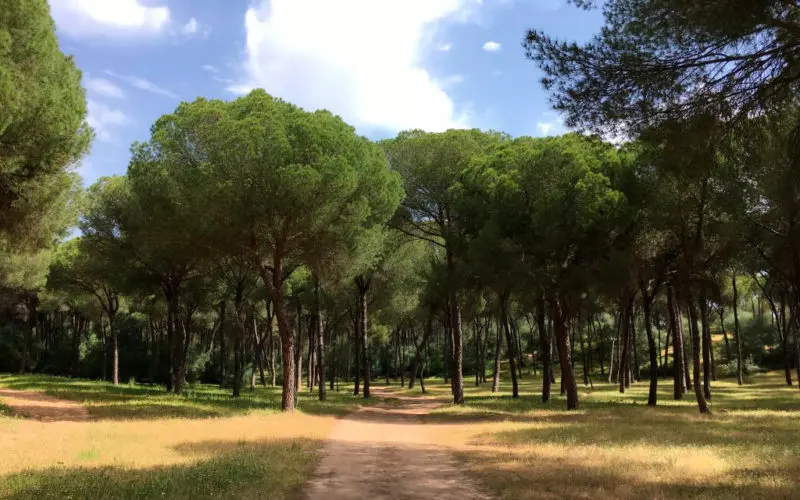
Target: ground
(137,442)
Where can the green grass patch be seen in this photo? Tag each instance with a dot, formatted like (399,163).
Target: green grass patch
(129,402)
(273,470)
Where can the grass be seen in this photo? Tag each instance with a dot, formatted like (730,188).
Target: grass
(615,446)
(131,401)
(146,444)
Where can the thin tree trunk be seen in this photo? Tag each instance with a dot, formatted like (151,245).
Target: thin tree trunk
(652,395)
(702,405)
(677,341)
(564,353)
(736,331)
(223,354)
(497,352)
(544,348)
(706,335)
(510,346)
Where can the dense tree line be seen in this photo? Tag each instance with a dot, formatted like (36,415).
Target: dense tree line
(253,241)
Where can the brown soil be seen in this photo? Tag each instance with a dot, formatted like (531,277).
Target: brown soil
(387,451)
(42,407)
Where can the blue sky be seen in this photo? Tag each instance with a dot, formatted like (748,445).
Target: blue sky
(382,65)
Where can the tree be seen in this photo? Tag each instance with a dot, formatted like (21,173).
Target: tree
(42,122)
(657,60)
(273,180)
(429,165)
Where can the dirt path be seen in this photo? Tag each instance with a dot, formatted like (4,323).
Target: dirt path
(386,451)
(43,407)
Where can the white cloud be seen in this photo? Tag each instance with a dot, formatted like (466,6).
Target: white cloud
(551,124)
(210,68)
(104,87)
(193,27)
(330,59)
(108,18)
(102,118)
(444,47)
(451,80)
(492,46)
(142,84)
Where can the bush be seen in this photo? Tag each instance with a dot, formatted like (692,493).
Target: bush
(749,367)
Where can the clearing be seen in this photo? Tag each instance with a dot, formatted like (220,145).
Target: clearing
(142,443)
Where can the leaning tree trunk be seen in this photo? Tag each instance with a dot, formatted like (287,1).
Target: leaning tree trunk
(702,405)
(544,349)
(736,331)
(564,353)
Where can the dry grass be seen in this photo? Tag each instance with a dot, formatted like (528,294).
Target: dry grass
(617,447)
(144,444)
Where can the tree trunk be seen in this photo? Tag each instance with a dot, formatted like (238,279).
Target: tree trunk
(564,354)
(223,354)
(652,395)
(510,346)
(787,360)
(357,357)
(497,351)
(736,331)
(457,334)
(363,286)
(112,328)
(695,331)
(544,348)
(320,341)
(677,344)
(706,333)
(624,341)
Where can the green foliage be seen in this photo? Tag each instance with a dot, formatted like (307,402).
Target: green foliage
(42,111)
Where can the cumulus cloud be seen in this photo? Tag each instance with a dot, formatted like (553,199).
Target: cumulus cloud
(109,18)
(492,46)
(444,47)
(143,84)
(210,68)
(360,59)
(103,118)
(104,87)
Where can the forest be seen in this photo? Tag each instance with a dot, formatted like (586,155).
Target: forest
(252,243)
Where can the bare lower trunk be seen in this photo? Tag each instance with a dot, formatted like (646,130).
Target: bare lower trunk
(510,346)
(652,395)
(564,353)
(544,349)
(736,331)
(677,347)
(497,350)
(457,334)
(706,335)
(367,361)
(695,331)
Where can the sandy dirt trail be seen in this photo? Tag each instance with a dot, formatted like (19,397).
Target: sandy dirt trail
(40,406)
(388,452)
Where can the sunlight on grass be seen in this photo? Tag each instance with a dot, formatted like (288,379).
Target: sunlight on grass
(617,447)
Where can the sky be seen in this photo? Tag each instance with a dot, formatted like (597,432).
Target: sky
(382,65)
